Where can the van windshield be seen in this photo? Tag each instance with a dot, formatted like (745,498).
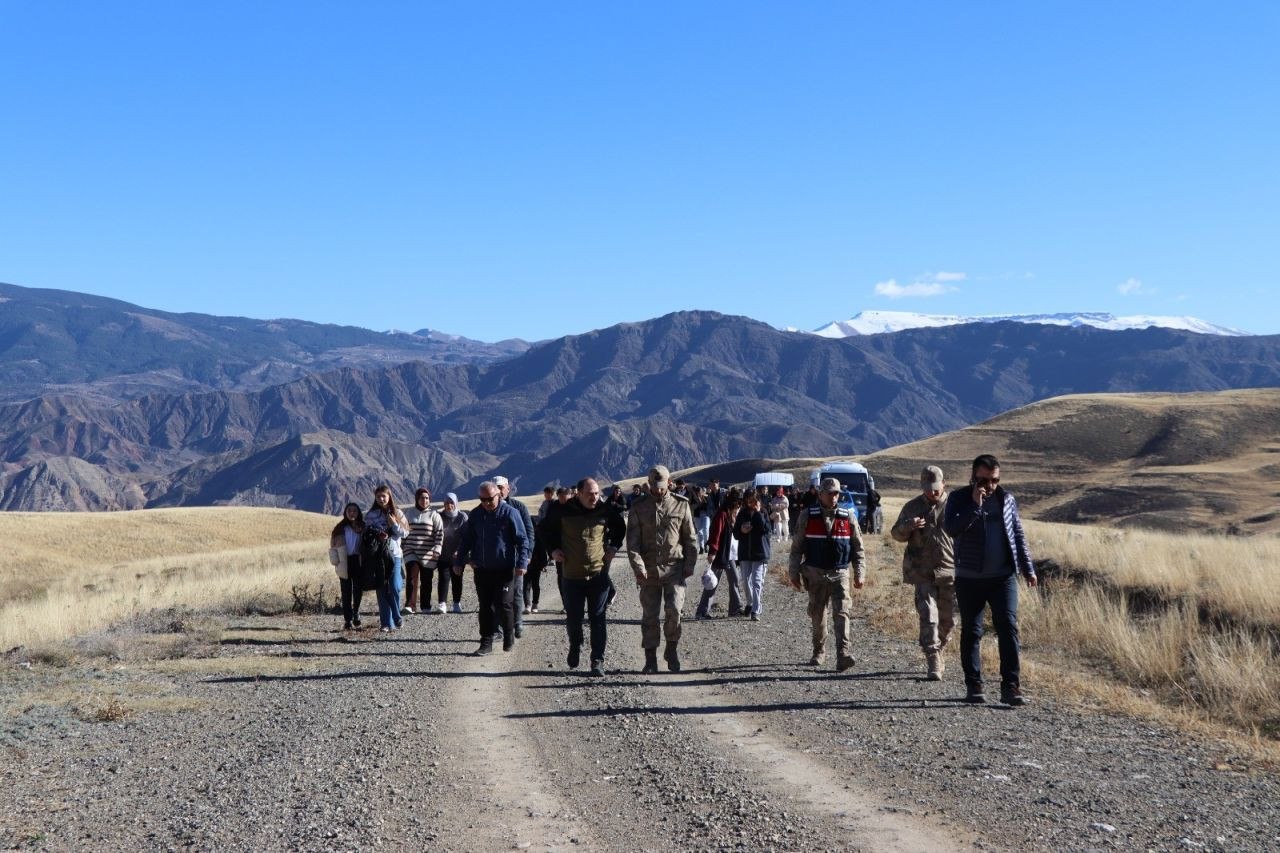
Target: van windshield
(856,483)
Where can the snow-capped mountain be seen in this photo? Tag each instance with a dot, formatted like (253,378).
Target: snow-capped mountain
(880,322)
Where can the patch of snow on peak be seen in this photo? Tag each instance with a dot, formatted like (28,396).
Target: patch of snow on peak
(882,322)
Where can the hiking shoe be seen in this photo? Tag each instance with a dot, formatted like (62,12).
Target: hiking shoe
(672,657)
(817,659)
(650,662)
(574,656)
(1012,696)
(974,695)
(934,662)
(844,662)
(509,642)
(457,607)
(597,669)
(486,648)
(755,617)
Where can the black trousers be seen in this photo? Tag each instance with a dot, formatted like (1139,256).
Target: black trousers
(593,596)
(532,587)
(448,580)
(351,595)
(495,594)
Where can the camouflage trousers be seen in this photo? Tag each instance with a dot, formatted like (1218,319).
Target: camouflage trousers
(668,597)
(936,605)
(829,591)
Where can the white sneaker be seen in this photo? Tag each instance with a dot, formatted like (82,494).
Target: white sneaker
(442,608)
(526,610)
(457,607)
(406,610)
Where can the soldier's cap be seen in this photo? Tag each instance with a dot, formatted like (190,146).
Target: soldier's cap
(829,484)
(659,476)
(501,481)
(931,478)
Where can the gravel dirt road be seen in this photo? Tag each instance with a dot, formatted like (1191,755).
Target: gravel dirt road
(292,738)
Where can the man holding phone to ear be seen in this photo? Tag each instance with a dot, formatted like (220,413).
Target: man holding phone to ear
(990,552)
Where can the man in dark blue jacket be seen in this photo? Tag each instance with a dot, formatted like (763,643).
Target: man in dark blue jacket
(497,545)
(990,552)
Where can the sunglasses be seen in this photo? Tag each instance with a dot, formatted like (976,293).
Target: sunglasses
(489,500)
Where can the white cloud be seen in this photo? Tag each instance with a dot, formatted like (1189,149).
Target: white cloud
(893,290)
(1134,287)
(947,276)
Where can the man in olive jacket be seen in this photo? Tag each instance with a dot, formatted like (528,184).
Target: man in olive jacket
(663,552)
(584,535)
(930,565)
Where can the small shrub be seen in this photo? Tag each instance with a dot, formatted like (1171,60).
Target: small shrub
(112,711)
(310,598)
(52,655)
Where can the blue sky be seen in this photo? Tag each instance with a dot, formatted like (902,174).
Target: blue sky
(536,169)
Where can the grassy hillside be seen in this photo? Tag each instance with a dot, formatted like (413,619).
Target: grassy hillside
(70,573)
(1178,462)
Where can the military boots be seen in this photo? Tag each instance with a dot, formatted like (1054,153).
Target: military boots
(673,659)
(936,666)
(650,662)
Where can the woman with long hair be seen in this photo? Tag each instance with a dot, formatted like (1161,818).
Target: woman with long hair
(722,557)
(701,510)
(751,529)
(344,554)
(389,526)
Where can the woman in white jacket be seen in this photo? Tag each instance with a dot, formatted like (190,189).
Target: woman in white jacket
(344,554)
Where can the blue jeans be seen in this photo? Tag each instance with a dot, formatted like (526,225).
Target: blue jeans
(753,572)
(593,594)
(1000,594)
(389,596)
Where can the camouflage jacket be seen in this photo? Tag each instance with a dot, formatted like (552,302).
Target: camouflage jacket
(929,557)
(661,546)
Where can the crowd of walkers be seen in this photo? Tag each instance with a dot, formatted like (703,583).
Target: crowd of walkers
(964,552)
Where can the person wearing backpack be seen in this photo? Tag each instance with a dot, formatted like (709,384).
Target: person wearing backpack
(385,526)
(344,554)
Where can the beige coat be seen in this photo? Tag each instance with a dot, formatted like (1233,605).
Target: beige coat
(338,555)
(661,545)
(929,557)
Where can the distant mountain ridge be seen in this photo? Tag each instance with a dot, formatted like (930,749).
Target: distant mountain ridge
(77,344)
(887,322)
(687,388)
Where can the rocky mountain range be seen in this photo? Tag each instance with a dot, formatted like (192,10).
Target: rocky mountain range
(92,347)
(686,388)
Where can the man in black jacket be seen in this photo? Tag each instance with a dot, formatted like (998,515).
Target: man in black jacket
(990,552)
(584,535)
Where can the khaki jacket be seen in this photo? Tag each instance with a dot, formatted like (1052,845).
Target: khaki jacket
(661,545)
(929,557)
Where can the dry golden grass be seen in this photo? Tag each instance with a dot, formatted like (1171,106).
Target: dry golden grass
(71,573)
(1166,660)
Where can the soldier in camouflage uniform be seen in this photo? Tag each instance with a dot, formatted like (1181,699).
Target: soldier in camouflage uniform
(663,552)
(929,565)
(827,543)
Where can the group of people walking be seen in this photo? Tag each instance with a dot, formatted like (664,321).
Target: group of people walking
(966,548)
